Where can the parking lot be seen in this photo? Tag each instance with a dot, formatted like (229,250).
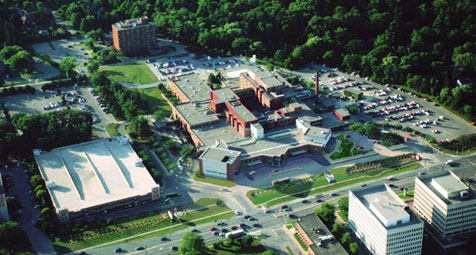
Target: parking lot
(186,63)
(77,98)
(386,103)
(57,50)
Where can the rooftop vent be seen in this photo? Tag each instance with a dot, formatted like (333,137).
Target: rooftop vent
(464,194)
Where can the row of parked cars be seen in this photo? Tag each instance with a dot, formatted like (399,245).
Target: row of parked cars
(99,100)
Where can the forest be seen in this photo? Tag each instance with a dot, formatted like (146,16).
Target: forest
(425,46)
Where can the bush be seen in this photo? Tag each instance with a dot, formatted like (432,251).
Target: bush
(220,203)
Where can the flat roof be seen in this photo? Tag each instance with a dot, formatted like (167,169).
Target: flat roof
(309,224)
(313,130)
(193,87)
(385,205)
(306,113)
(196,113)
(93,173)
(343,112)
(132,23)
(225,95)
(220,154)
(444,182)
(242,111)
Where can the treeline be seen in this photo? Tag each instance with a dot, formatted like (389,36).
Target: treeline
(45,131)
(123,103)
(423,45)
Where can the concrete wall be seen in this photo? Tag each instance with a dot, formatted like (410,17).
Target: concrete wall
(214,169)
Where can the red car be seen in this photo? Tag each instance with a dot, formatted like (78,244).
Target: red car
(242,225)
(212,229)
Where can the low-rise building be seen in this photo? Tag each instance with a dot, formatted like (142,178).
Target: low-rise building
(314,134)
(94,178)
(383,223)
(446,203)
(342,114)
(220,163)
(317,237)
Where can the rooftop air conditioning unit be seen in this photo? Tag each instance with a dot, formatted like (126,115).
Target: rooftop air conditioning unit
(464,194)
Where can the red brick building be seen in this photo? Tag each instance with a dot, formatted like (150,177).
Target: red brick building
(134,36)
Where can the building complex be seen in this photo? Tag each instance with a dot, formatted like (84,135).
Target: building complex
(446,203)
(94,178)
(260,118)
(134,36)
(383,223)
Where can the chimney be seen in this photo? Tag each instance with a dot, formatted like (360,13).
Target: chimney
(316,89)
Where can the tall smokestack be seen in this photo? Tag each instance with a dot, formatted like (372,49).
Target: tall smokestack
(316,89)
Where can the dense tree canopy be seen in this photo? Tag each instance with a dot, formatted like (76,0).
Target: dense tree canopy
(192,244)
(13,238)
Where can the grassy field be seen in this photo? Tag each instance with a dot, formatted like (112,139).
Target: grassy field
(203,211)
(155,99)
(111,129)
(135,73)
(220,182)
(318,184)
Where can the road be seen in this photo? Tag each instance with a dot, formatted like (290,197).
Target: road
(40,242)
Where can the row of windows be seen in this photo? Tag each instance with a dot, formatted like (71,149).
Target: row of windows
(402,238)
(415,246)
(462,207)
(405,233)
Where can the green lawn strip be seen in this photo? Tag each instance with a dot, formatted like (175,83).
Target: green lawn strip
(301,243)
(155,100)
(220,182)
(111,129)
(286,198)
(410,194)
(290,252)
(135,73)
(202,208)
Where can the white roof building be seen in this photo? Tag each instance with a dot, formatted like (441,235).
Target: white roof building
(87,175)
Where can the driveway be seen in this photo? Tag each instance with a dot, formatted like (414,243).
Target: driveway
(40,242)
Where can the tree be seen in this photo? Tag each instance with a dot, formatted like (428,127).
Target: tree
(326,213)
(338,229)
(21,61)
(13,204)
(140,127)
(246,241)
(344,207)
(89,43)
(354,248)
(345,239)
(92,66)
(192,244)
(67,65)
(353,109)
(12,237)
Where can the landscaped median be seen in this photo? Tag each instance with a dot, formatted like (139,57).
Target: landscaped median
(318,184)
(111,129)
(153,224)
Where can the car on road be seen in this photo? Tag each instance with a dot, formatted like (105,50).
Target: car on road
(237,213)
(174,248)
(284,206)
(246,216)
(242,225)
(118,250)
(234,227)
(319,201)
(195,230)
(256,225)
(213,229)
(164,239)
(140,248)
(216,233)
(305,201)
(363,185)
(224,230)
(221,223)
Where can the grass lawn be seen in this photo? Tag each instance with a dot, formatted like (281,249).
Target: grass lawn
(134,73)
(205,209)
(155,99)
(409,195)
(304,188)
(220,182)
(111,129)
(347,149)
(301,243)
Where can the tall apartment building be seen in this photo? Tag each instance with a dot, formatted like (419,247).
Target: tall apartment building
(384,223)
(446,203)
(134,36)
